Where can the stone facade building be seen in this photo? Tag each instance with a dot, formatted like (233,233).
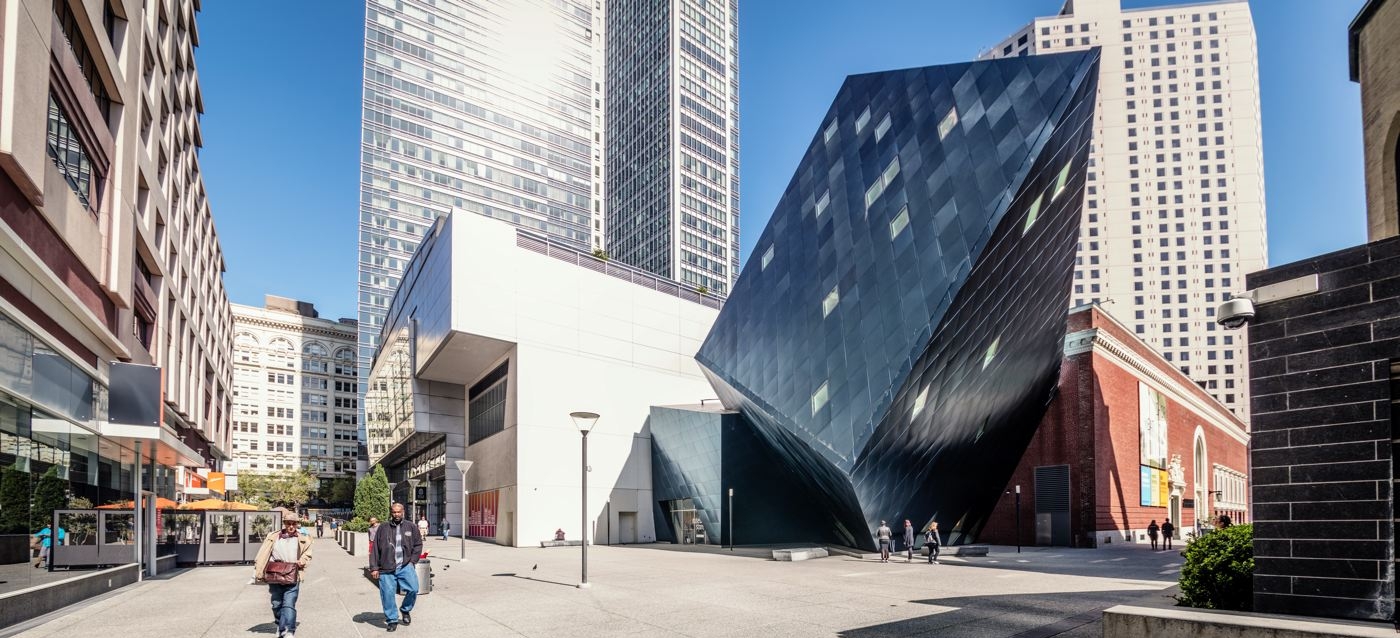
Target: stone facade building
(1374,44)
(295,395)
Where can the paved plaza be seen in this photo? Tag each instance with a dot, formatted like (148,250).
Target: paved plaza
(653,590)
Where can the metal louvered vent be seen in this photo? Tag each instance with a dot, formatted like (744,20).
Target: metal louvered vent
(1052,488)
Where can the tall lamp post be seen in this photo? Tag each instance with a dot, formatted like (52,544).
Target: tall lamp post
(463,466)
(413,500)
(1018,519)
(585,421)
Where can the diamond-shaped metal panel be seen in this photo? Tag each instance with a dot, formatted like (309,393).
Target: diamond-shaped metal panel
(908,270)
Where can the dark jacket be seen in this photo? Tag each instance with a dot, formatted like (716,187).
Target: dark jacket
(382,558)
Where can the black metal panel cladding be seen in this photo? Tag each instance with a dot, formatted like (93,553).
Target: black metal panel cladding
(920,306)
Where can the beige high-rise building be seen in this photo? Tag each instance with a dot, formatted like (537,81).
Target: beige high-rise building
(295,398)
(1174,207)
(108,253)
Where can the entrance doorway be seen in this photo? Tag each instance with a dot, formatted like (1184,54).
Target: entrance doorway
(1174,514)
(626,527)
(686,523)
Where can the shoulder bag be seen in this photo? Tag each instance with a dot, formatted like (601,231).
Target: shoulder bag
(280,573)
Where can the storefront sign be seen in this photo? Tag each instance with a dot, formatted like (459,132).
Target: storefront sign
(427,461)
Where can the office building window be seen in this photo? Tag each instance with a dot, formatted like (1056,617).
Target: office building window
(73,161)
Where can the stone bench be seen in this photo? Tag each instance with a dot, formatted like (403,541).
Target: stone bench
(801,553)
(560,543)
(972,550)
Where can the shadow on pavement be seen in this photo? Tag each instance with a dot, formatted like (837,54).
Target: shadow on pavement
(264,628)
(1018,615)
(763,552)
(538,580)
(371,618)
(1106,563)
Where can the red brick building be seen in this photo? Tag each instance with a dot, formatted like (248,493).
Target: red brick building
(1127,440)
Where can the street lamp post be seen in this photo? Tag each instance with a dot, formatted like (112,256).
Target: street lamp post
(584,421)
(413,500)
(463,466)
(1018,519)
(731,519)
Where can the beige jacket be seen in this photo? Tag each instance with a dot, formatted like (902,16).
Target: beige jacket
(265,554)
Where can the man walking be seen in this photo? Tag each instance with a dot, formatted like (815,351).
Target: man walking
(933,542)
(883,535)
(444,527)
(280,562)
(908,541)
(394,563)
(1167,530)
(320,527)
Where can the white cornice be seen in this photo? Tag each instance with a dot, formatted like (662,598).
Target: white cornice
(1101,342)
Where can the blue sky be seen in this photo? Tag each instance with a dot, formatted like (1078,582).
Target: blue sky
(282,105)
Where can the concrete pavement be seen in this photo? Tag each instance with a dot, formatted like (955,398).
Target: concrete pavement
(645,590)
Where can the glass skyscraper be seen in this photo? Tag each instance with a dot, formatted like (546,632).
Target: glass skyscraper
(673,139)
(491,106)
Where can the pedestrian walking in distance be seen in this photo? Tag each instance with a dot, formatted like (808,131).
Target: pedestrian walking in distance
(444,527)
(884,535)
(423,525)
(1152,533)
(932,541)
(1167,530)
(320,527)
(280,563)
(373,529)
(394,563)
(908,541)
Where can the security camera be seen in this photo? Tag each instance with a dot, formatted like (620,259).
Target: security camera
(1235,313)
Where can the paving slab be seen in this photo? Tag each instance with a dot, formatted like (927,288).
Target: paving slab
(654,590)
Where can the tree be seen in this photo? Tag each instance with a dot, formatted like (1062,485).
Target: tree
(372,496)
(342,491)
(600,254)
(287,488)
(50,493)
(14,501)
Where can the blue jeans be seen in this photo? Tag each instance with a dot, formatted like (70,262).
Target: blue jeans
(406,578)
(284,606)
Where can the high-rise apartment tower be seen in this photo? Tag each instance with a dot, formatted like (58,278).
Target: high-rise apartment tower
(493,107)
(673,139)
(1174,208)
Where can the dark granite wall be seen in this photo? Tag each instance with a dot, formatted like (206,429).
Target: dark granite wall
(1322,454)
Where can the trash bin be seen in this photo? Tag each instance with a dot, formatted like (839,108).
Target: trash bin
(425,576)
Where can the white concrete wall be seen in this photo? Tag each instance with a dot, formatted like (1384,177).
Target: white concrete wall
(585,341)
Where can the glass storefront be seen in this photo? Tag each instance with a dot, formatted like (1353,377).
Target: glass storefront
(49,462)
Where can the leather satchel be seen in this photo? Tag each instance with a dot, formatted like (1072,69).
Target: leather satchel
(280,573)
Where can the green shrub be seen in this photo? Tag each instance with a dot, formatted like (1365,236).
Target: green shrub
(372,496)
(14,501)
(50,493)
(357,524)
(1219,570)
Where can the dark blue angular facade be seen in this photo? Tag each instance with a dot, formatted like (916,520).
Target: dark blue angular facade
(896,334)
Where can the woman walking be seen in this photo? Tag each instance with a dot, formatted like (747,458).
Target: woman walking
(1152,533)
(884,535)
(281,560)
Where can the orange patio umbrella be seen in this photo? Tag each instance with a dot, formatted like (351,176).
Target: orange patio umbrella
(162,503)
(217,504)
